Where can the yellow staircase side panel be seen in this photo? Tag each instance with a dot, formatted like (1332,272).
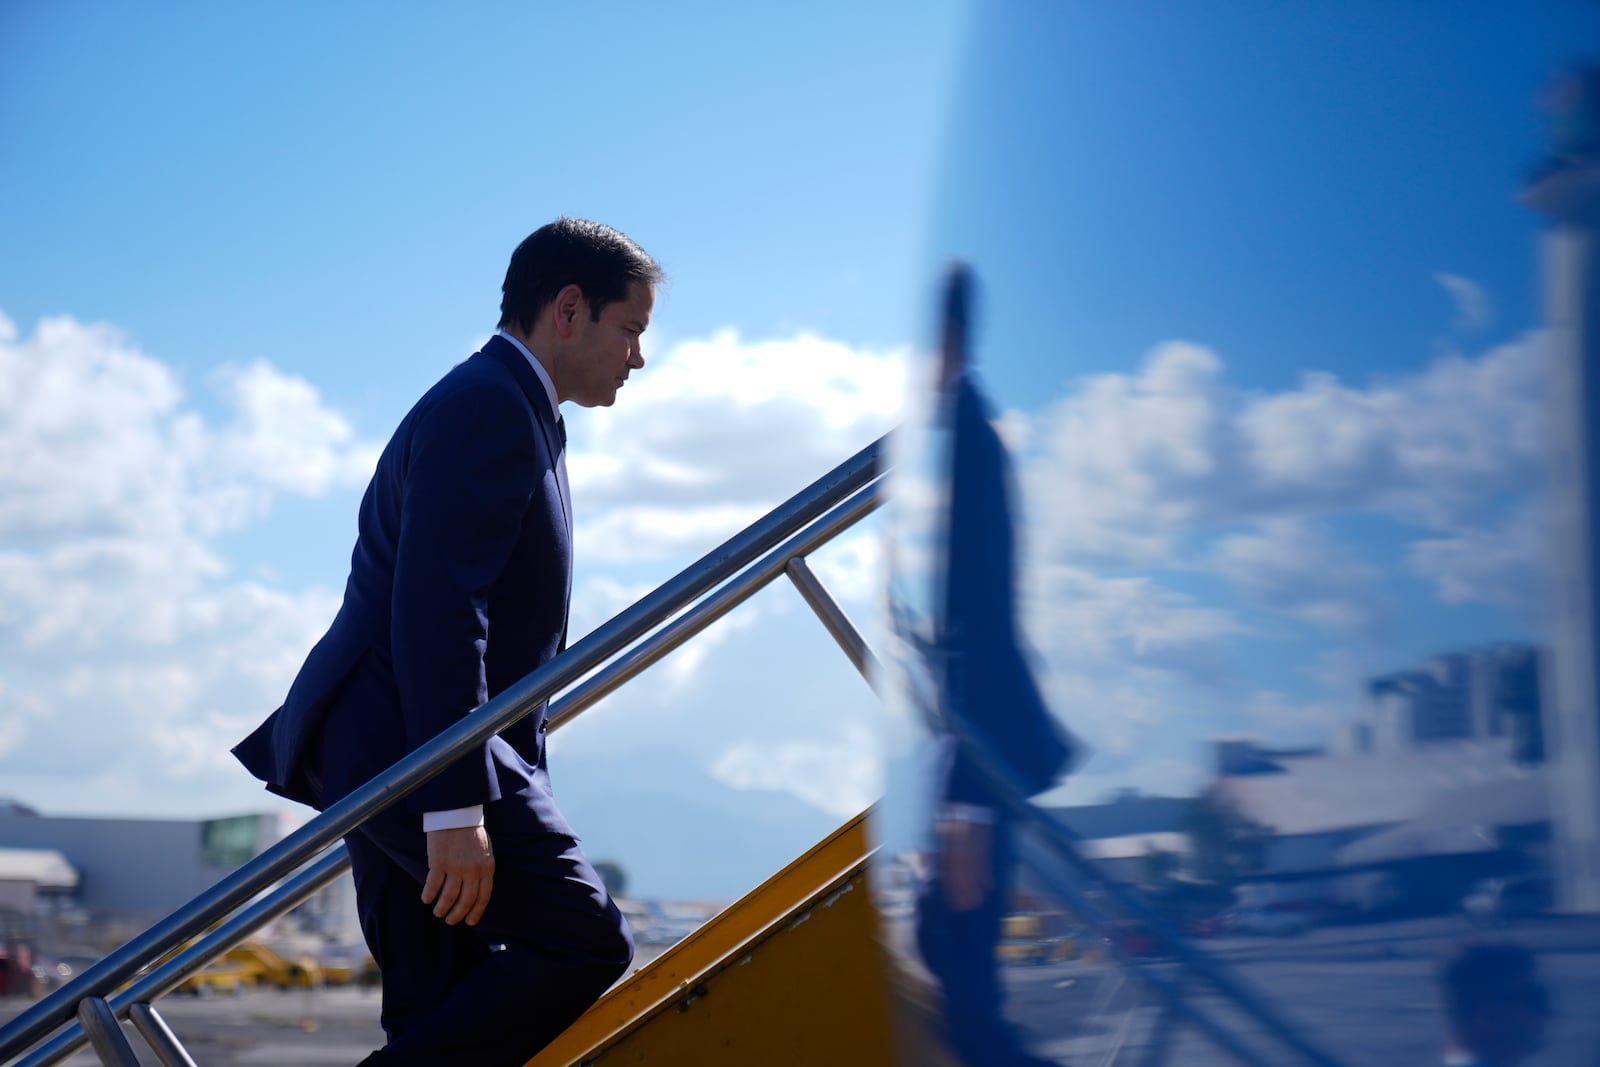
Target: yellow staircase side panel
(810,991)
(826,884)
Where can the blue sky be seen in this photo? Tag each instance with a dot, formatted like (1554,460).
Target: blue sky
(261,234)
(240,242)
(1283,183)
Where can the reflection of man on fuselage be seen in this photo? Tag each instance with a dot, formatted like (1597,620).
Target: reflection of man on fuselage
(987,696)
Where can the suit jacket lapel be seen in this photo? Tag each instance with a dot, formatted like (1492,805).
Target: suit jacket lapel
(553,428)
(566,507)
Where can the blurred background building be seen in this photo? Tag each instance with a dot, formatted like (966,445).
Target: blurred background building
(94,881)
(1566,190)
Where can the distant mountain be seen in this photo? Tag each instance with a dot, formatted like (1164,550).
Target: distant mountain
(684,836)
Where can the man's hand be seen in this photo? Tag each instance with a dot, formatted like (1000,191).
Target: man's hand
(460,874)
(964,862)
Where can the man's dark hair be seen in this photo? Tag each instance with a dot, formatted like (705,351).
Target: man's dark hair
(601,261)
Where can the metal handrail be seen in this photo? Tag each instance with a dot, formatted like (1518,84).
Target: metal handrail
(282,859)
(1170,989)
(110,1043)
(1061,842)
(171,973)
(842,516)
(335,862)
(159,1036)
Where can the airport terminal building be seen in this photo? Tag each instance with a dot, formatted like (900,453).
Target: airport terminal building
(118,875)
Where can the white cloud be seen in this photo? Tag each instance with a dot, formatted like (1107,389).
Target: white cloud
(1503,564)
(1429,448)
(681,667)
(851,567)
(1111,714)
(1122,456)
(1308,721)
(134,655)
(839,774)
(100,444)
(715,432)
(1133,668)
(768,702)
(93,439)
(1197,557)
(1128,465)
(1015,429)
(1291,566)
(707,440)
(128,643)
(597,599)
(629,534)
(283,434)
(1077,619)
(129,650)
(1474,310)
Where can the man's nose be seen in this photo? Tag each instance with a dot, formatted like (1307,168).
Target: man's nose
(636,360)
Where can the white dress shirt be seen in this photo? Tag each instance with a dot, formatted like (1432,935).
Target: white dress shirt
(538,368)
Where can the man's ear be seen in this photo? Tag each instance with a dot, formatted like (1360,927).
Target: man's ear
(570,307)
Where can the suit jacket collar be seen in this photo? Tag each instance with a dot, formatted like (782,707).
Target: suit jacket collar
(555,432)
(506,353)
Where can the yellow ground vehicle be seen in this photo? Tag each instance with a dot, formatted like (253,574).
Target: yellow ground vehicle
(346,969)
(218,976)
(1035,937)
(251,963)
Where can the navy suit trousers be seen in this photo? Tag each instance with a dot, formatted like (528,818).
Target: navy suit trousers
(549,944)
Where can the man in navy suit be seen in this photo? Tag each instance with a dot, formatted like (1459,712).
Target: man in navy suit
(492,930)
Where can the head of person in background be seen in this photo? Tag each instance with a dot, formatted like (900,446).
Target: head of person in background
(1495,1006)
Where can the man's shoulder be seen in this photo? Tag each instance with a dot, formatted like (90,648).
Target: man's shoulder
(479,371)
(478,382)
(477,402)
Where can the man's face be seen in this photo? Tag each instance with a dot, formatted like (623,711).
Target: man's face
(601,354)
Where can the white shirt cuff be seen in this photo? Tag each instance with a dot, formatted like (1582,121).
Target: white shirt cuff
(454,819)
(953,812)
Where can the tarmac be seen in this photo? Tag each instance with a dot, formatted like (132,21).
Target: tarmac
(329,1027)
(1364,994)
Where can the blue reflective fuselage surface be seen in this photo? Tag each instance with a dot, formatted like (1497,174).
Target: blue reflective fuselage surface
(1277,343)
